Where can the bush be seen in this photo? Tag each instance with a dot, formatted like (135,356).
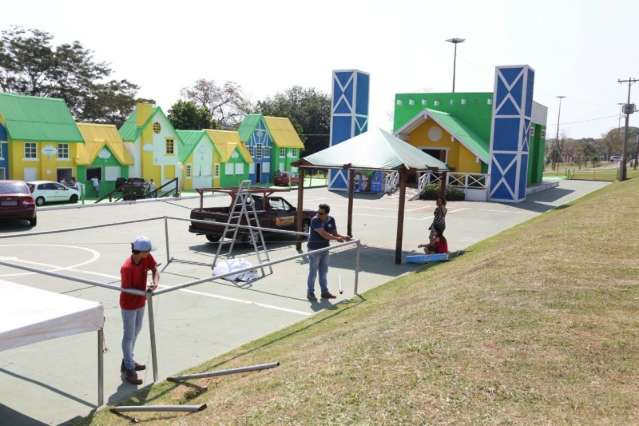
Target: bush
(431,192)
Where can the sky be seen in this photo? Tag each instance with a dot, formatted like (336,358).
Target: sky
(578,48)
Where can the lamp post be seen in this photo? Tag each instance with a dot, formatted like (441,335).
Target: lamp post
(455,41)
(560,97)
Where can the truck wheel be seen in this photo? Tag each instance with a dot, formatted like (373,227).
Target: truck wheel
(213,238)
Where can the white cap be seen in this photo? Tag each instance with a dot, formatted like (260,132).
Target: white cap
(142,243)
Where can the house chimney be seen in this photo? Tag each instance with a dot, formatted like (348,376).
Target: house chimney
(143,111)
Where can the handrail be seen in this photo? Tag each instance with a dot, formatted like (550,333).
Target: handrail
(109,196)
(154,193)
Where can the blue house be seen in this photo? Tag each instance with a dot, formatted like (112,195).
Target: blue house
(256,137)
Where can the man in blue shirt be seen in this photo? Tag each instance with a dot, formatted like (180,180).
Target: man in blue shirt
(323,230)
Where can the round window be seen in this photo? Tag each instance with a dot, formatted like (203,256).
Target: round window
(434,134)
(157,127)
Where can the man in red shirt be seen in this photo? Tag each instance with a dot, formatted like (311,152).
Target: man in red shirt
(133,275)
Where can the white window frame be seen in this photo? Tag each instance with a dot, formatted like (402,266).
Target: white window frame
(112,173)
(166,146)
(29,151)
(282,152)
(62,147)
(188,171)
(239,168)
(216,170)
(229,169)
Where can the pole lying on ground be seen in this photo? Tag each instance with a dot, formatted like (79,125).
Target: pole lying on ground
(154,352)
(224,372)
(159,408)
(100,367)
(166,242)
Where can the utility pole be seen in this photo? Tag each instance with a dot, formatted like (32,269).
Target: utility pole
(455,41)
(560,97)
(628,109)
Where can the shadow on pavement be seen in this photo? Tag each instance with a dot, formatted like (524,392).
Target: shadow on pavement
(541,202)
(11,417)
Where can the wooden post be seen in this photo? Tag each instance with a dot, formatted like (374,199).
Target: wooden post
(400,215)
(299,220)
(442,184)
(351,192)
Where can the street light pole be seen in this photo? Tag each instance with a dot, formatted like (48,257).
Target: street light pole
(560,97)
(628,109)
(455,41)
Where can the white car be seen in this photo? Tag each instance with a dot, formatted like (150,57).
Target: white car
(45,191)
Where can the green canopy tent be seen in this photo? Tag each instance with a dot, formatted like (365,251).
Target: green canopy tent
(375,150)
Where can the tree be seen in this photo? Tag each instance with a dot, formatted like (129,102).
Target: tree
(186,115)
(31,65)
(308,109)
(226,103)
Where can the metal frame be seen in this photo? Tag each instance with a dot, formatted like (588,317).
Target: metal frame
(150,294)
(225,372)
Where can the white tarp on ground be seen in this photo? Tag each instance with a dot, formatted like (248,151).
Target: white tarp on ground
(29,315)
(226,266)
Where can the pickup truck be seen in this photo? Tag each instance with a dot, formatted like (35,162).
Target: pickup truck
(272,212)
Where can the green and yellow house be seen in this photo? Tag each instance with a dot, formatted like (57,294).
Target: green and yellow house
(235,159)
(103,156)
(152,142)
(200,160)
(286,144)
(41,138)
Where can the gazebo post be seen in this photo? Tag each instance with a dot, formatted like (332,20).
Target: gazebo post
(400,214)
(442,184)
(351,192)
(300,209)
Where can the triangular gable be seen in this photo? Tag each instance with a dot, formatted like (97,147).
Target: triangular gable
(98,136)
(226,142)
(130,132)
(283,133)
(248,126)
(460,132)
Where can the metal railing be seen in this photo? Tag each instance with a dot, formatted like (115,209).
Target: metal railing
(151,294)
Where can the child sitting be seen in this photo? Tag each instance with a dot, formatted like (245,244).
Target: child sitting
(437,243)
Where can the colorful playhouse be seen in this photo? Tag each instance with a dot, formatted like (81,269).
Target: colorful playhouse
(200,161)
(153,143)
(492,142)
(235,159)
(40,138)
(287,144)
(256,137)
(103,155)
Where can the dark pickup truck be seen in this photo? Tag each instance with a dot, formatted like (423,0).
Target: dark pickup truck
(272,211)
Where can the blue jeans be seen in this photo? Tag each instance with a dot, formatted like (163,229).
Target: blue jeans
(318,263)
(132,322)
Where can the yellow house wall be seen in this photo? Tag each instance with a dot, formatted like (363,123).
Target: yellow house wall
(187,181)
(46,166)
(459,157)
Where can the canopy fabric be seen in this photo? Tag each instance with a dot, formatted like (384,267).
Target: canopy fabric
(32,118)
(463,134)
(227,141)
(96,137)
(375,149)
(283,133)
(29,315)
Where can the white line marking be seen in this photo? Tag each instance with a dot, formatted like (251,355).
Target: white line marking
(95,255)
(199,293)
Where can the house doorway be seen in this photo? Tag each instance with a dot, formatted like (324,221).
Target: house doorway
(94,172)
(440,154)
(258,172)
(64,175)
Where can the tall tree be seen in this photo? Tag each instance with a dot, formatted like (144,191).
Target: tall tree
(30,64)
(308,109)
(226,102)
(186,115)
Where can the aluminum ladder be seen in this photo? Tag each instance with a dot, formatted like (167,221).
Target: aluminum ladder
(243,209)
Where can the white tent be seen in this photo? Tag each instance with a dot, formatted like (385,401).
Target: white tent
(29,315)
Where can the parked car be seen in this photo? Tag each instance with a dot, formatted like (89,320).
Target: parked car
(45,191)
(285,179)
(16,202)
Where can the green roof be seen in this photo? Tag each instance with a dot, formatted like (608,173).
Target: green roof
(30,118)
(455,127)
(129,131)
(248,125)
(188,141)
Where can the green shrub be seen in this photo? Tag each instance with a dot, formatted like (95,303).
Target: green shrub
(431,192)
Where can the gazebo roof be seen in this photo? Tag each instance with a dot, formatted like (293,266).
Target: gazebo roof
(374,149)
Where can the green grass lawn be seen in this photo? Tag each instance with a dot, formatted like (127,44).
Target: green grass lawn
(538,325)
(607,172)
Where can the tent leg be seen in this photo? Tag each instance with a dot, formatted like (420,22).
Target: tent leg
(100,367)
(351,192)
(300,209)
(154,352)
(400,215)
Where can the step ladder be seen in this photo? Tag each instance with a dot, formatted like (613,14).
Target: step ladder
(243,212)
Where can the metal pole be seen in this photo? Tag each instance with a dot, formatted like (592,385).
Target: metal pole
(400,215)
(224,372)
(159,408)
(557,136)
(299,219)
(356,285)
(154,352)
(454,66)
(624,155)
(100,367)
(351,192)
(166,241)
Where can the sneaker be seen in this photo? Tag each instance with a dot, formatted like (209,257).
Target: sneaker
(328,296)
(311,296)
(131,377)
(138,367)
